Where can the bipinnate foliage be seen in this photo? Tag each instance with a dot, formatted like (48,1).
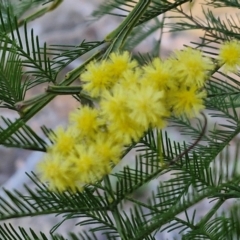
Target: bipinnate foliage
(205,171)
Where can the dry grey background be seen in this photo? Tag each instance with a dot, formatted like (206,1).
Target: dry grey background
(69,24)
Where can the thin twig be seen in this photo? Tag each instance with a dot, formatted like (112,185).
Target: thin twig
(194,144)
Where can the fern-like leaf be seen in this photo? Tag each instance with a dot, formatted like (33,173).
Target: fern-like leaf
(12,90)
(24,137)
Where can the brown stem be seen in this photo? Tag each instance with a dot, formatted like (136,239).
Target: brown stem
(194,144)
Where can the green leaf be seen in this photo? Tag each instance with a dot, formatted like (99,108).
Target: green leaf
(155,9)
(36,58)
(12,88)
(12,9)
(23,137)
(12,233)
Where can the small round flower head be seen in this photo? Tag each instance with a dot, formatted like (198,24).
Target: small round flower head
(131,78)
(86,121)
(119,63)
(87,165)
(147,106)
(64,141)
(190,67)
(125,130)
(229,55)
(187,100)
(58,172)
(96,78)
(106,148)
(114,105)
(158,74)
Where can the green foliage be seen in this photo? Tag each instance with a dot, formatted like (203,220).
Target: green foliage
(118,206)
(12,90)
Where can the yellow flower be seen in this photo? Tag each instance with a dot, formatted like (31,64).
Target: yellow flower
(120,62)
(86,121)
(125,130)
(131,78)
(103,75)
(87,165)
(191,68)
(58,172)
(106,148)
(187,100)
(147,107)
(229,55)
(97,78)
(64,141)
(159,74)
(114,105)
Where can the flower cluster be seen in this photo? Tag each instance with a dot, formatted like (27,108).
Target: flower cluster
(130,99)
(229,56)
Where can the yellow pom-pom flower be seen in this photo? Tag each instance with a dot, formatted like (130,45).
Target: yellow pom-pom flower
(229,55)
(191,68)
(107,150)
(97,78)
(86,121)
(147,107)
(131,78)
(64,141)
(187,100)
(125,130)
(86,163)
(119,63)
(159,74)
(102,76)
(57,171)
(114,105)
